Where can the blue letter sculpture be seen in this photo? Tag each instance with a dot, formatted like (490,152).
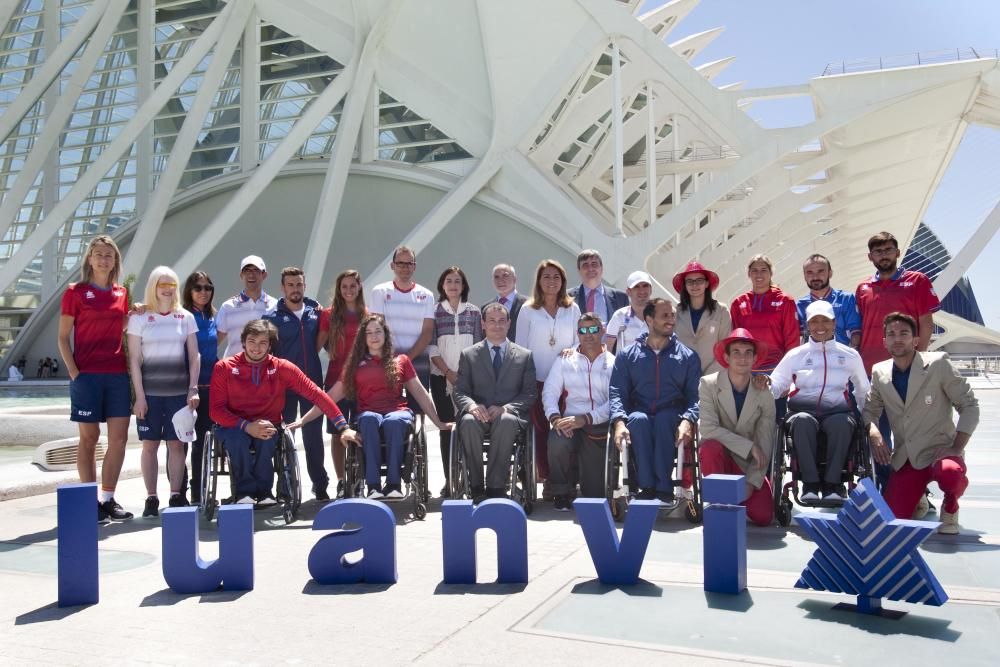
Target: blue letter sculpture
(184,570)
(724,537)
(460,521)
(864,551)
(76,544)
(376,537)
(617,564)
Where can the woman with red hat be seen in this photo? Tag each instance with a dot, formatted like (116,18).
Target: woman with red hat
(701,320)
(737,422)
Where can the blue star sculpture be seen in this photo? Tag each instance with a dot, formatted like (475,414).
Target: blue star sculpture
(865,551)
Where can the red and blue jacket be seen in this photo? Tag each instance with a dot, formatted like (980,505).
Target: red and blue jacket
(650,381)
(297,337)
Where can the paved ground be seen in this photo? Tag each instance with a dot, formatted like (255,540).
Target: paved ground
(563,616)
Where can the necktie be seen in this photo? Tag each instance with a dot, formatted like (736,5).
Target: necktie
(496,361)
(590,300)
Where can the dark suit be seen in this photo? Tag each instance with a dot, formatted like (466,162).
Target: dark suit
(519,300)
(514,389)
(613,299)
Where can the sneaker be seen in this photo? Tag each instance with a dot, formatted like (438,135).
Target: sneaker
(834,492)
(114,511)
(245,500)
(922,508)
(810,492)
(341,488)
(393,492)
(478,495)
(374,494)
(561,503)
(152,507)
(322,496)
(195,497)
(949,523)
(665,496)
(102,516)
(178,500)
(445,492)
(646,494)
(266,501)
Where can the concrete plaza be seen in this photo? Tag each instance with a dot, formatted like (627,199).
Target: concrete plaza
(562,616)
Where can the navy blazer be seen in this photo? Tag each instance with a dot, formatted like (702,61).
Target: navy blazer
(613,299)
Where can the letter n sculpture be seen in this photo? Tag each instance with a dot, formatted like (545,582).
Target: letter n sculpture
(864,551)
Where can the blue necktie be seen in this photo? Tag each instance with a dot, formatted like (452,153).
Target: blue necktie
(496,361)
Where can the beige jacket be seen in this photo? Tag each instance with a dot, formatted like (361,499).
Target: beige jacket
(712,328)
(925,422)
(756,423)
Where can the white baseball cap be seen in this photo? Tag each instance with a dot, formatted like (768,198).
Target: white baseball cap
(253,260)
(819,308)
(183,421)
(637,277)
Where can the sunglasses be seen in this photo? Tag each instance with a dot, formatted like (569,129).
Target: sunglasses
(166,284)
(203,288)
(592,329)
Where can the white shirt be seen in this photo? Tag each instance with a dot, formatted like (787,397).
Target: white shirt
(629,325)
(817,374)
(234,313)
(164,363)
(546,336)
(404,312)
(586,383)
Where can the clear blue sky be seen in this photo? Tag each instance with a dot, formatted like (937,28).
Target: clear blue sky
(779,42)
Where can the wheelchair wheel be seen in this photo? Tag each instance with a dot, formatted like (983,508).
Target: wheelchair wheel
(289,481)
(423,469)
(619,506)
(419,471)
(352,472)
(777,478)
(783,513)
(457,481)
(693,508)
(210,468)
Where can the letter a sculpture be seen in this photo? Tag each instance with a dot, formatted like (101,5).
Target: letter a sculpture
(864,551)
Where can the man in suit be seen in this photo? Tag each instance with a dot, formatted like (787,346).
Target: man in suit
(592,296)
(494,394)
(737,423)
(918,391)
(505,283)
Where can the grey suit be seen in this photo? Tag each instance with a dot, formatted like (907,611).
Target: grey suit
(514,389)
(519,300)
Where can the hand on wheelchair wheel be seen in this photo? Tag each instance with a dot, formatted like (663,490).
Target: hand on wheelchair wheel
(351,436)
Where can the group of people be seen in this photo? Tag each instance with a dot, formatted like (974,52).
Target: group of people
(575,364)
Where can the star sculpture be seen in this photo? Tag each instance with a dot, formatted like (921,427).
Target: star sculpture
(865,551)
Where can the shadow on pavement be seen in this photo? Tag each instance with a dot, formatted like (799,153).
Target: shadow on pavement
(910,624)
(314,588)
(50,612)
(741,602)
(492,588)
(167,598)
(643,589)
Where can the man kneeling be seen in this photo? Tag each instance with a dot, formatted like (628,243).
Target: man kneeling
(737,422)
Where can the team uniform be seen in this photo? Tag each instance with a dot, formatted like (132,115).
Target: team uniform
(625,327)
(243,392)
(772,319)
(297,333)
(908,292)
(405,311)
(845,310)
(101,390)
(165,376)
(342,349)
(234,314)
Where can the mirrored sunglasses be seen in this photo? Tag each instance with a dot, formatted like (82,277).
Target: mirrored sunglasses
(592,329)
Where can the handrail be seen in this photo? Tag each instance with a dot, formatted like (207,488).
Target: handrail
(909,60)
(723,152)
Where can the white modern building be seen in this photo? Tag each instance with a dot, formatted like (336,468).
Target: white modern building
(322,133)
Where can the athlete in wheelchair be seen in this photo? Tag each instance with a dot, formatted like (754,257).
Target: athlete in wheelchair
(246,401)
(817,378)
(374,378)
(493,398)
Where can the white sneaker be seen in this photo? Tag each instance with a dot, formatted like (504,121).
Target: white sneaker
(245,500)
(374,494)
(267,501)
(923,507)
(949,524)
(395,494)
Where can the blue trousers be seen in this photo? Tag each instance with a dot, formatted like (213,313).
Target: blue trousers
(373,427)
(249,476)
(312,439)
(653,444)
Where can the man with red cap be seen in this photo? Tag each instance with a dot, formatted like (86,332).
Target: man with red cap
(701,320)
(737,422)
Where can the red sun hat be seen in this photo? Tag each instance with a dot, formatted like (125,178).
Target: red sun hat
(738,335)
(695,267)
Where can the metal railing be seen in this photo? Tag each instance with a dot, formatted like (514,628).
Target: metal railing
(909,60)
(723,152)
(970,364)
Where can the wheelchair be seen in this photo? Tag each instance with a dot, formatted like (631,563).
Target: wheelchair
(857,465)
(521,485)
(215,464)
(621,487)
(413,475)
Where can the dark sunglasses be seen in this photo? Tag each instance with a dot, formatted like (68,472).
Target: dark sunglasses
(592,329)
(203,288)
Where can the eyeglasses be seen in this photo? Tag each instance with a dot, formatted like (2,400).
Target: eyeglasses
(166,284)
(375,332)
(695,282)
(592,329)
(883,251)
(203,288)
(405,265)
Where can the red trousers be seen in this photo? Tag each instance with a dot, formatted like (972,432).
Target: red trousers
(715,459)
(907,484)
(541,425)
